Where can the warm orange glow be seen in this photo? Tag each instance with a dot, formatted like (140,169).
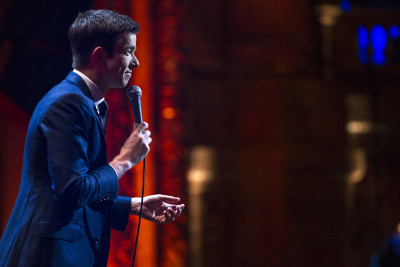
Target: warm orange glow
(168,113)
(359,127)
(358,165)
(140,11)
(123,242)
(15,121)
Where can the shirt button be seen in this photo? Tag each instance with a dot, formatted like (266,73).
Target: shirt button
(96,240)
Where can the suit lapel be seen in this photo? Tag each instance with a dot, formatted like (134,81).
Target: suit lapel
(76,79)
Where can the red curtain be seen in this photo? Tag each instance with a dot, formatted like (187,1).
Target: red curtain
(158,76)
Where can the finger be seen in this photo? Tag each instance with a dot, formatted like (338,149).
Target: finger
(169,199)
(173,206)
(179,210)
(141,127)
(174,209)
(167,217)
(171,214)
(148,140)
(147,133)
(146,148)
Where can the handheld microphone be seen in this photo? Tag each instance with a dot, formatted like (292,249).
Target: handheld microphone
(134,93)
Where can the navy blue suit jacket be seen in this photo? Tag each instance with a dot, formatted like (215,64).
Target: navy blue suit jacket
(67,201)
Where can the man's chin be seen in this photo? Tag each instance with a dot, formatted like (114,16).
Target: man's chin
(125,83)
(122,85)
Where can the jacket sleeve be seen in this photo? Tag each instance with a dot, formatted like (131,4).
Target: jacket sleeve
(120,213)
(65,126)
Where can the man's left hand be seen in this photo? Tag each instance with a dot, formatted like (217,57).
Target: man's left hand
(157,208)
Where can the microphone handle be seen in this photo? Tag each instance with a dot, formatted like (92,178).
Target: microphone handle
(137,111)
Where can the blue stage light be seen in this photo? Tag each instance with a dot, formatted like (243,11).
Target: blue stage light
(345,5)
(394,32)
(379,43)
(363,43)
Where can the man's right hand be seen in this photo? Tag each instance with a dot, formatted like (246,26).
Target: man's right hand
(134,149)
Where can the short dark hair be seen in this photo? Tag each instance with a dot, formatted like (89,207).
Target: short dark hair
(97,28)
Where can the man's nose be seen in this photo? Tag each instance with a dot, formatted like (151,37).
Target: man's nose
(134,63)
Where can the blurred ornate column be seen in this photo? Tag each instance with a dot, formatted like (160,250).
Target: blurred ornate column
(169,122)
(200,174)
(328,17)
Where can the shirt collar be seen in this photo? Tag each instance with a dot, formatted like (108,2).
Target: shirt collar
(97,94)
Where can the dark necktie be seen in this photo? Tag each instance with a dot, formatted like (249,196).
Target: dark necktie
(102,112)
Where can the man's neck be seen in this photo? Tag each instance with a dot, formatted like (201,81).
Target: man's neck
(90,80)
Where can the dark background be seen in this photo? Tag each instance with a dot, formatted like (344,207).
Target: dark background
(270,91)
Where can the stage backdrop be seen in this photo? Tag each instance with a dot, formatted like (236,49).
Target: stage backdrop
(29,49)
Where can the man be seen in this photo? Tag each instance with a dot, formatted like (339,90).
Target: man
(67,202)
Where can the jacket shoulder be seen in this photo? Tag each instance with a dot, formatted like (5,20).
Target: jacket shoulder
(65,96)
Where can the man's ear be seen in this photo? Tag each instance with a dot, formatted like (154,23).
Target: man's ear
(100,56)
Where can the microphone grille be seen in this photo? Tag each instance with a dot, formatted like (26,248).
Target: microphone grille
(133,92)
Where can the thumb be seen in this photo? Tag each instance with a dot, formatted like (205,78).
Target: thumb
(169,199)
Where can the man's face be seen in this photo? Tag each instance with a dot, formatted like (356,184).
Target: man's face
(120,65)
